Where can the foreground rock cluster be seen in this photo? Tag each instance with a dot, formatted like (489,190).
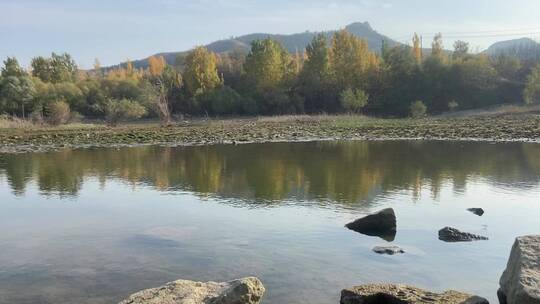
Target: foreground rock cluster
(403,294)
(243,291)
(519,284)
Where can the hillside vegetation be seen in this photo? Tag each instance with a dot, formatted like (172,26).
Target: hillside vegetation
(340,75)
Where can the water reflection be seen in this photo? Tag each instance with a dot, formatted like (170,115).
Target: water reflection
(92,226)
(344,172)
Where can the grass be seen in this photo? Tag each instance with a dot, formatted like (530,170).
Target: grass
(9,122)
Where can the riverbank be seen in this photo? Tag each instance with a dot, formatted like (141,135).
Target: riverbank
(500,128)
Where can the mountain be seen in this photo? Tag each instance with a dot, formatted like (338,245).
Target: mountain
(523,48)
(292,42)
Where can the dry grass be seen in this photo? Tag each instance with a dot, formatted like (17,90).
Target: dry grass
(310,118)
(496,110)
(9,122)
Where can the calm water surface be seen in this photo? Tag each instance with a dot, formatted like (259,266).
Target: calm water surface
(93,226)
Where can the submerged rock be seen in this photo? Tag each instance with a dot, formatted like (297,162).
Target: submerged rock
(477,211)
(381,224)
(243,291)
(520,282)
(449,234)
(391,250)
(403,294)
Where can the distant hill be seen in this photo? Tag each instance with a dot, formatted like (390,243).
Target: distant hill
(292,42)
(523,48)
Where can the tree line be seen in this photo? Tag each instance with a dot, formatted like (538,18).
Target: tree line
(335,75)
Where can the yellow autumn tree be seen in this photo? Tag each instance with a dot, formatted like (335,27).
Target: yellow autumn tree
(156,65)
(417,48)
(129,69)
(437,47)
(200,73)
(351,60)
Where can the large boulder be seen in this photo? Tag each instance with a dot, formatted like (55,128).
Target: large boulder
(520,282)
(243,291)
(449,234)
(381,224)
(403,294)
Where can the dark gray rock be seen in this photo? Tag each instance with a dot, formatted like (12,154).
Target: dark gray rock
(520,282)
(403,294)
(391,250)
(449,234)
(381,224)
(477,211)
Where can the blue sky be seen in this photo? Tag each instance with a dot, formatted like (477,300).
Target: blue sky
(113,30)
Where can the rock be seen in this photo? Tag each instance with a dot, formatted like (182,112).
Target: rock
(403,294)
(381,224)
(477,211)
(520,282)
(391,250)
(243,291)
(449,234)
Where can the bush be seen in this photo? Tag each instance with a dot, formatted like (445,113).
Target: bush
(58,113)
(121,110)
(452,105)
(531,94)
(353,100)
(418,109)
(224,100)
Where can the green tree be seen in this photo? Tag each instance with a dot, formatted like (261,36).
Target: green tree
(41,68)
(268,64)
(531,94)
(269,73)
(315,77)
(17,94)
(353,101)
(17,90)
(398,82)
(461,49)
(472,81)
(507,66)
(351,60)
(200,72)
(63,68)
(231,67)
(12,68)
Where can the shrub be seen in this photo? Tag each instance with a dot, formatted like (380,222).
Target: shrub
(224,100)
(121,110)
(452,105)
(531,94)
(58,112)
(353,100)
(418,109)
